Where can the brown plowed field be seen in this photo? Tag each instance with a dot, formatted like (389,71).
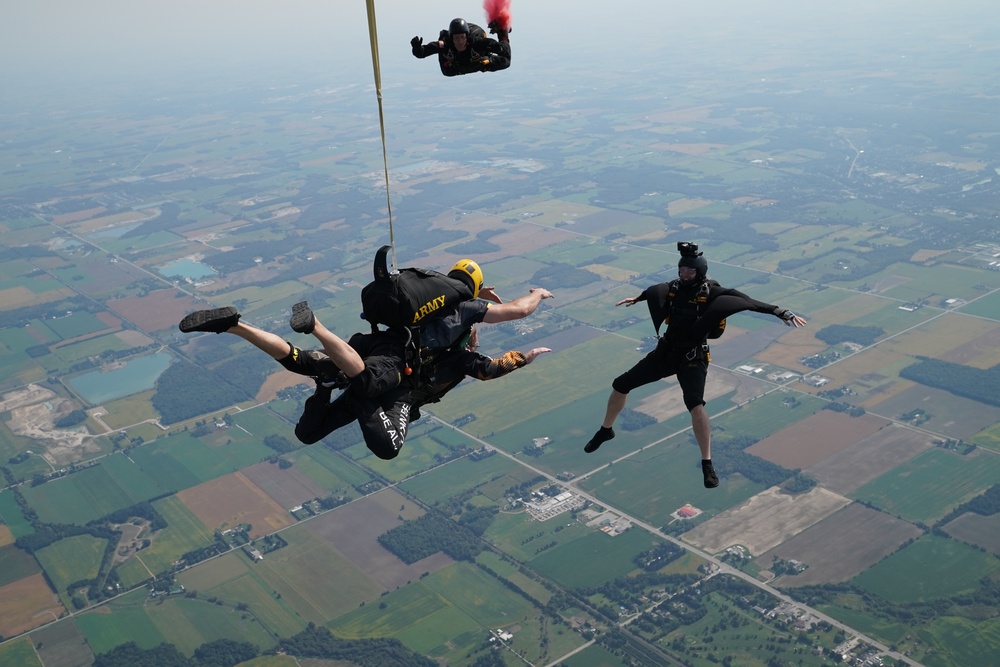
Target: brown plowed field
(842,545)
(227,501)
(866,459)
(983,531)
(765,520)
(287,487)
(815,438)
(353,531)
(156,311)
(28,603)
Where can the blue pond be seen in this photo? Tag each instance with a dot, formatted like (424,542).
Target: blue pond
(186,268)
(135,376)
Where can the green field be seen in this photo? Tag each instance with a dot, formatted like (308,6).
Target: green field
(346,472)
(517,534)
(961,641)
(205,462)
(418,453)
(443,615)
(594,559)
(19,653)
(157,460)
(184,532)
(463,474)
(76,324)
(656,482)
(276,615)
(71,559)
(12,515)
(132,479)
(932,567)
(121,620)
(548,384)
(189,623)
(79,497)
(314,579)
(15,564)
(766,415)
(928,486)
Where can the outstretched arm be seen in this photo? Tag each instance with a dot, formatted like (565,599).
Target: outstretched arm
(421,50)
(518,308)
(482,367)
(733,301)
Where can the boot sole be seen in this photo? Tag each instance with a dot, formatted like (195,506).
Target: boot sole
(209,321)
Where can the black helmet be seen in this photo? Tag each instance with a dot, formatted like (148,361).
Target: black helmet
(458,27)
(690,257)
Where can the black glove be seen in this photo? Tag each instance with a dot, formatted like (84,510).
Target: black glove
(785,315)
(443,36)
(417,42)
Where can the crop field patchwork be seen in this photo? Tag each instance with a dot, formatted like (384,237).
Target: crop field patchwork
(765,521)
(60,645)
(364,520)
(981,531)
(841,546)
(184,532)
(866,459)
(926,487)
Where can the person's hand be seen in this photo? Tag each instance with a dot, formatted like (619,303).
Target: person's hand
(473,343)
(791,319)
(630,301)
(417,42)
(544,292)
(531,354)
(489,294)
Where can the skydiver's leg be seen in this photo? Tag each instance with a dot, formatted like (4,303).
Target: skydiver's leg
(320,417)
(384,424)
(692,375)
(654,366)
(343,355)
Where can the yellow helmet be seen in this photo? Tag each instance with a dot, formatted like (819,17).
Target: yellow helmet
(466,270)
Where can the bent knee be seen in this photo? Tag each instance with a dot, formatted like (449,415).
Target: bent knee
(307,437)
(385,453)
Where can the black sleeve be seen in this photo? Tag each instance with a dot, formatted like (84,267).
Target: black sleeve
(724,302)
(428,49)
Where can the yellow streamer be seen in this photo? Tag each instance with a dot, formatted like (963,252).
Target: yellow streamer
(373,37)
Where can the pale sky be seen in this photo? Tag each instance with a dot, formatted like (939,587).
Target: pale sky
(42,41)
(70,35)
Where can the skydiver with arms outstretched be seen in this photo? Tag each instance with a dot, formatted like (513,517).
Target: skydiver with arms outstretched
(464,48)
(694,308)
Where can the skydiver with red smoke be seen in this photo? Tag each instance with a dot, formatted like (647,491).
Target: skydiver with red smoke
(464,47)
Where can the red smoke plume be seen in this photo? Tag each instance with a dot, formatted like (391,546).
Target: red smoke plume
(499,10)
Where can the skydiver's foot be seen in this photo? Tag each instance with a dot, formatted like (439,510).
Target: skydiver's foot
(303,320)
(708,472)
(216,320)
(603,434)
